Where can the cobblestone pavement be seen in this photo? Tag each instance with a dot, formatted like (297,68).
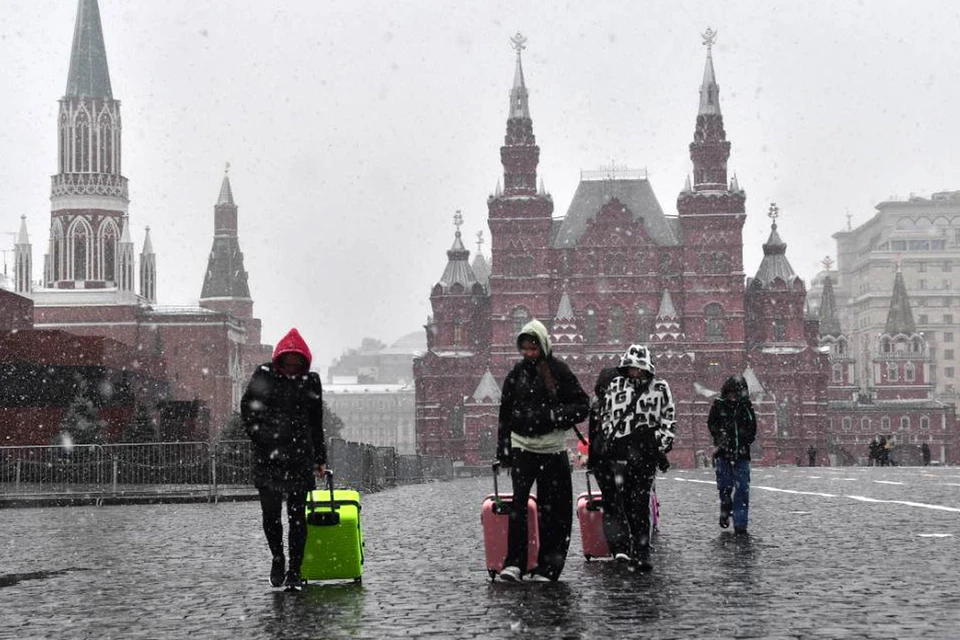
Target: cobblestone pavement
(833,553)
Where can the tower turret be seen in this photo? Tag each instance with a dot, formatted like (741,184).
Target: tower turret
(88,194)
(520,224)
(23,260)
(225,287)
(148,270)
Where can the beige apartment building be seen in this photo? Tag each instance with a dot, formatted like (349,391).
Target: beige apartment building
(921,237)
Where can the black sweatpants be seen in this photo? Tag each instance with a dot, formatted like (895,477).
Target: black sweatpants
(615,528)
(552,473)
(633,465)
(271,503)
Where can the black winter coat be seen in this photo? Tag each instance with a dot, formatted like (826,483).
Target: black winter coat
(733,426)
(527,409)
(283,416)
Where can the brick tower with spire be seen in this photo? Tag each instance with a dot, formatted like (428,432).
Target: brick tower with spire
(89,277)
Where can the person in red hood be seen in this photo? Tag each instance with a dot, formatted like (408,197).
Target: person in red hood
(282,412)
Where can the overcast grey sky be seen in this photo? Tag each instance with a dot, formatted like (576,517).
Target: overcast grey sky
(355,129)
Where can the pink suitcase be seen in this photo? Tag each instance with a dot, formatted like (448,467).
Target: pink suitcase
(590,515)
(495,519)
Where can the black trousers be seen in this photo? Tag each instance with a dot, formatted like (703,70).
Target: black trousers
(615,528)
(271,504)
(552,473)
(633,466)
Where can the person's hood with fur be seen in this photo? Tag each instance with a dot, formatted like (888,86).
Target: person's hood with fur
(538,332)
(637,355)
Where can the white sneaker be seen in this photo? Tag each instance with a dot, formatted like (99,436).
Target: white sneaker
(511,574)
(621,557)
(537,577)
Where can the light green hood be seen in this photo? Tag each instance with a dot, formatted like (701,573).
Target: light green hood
(536,329)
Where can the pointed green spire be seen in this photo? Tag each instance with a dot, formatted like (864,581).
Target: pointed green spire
(88,76)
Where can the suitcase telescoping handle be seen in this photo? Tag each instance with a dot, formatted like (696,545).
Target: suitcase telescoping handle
(323,518)
(329,474)
(589,492)
(496,489)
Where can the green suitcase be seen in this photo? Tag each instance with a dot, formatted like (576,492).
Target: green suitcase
(334,549)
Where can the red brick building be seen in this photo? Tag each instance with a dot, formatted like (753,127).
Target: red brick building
(898,401)
(88,285)
(617,269)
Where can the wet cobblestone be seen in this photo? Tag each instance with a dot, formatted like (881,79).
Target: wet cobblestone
(833,553)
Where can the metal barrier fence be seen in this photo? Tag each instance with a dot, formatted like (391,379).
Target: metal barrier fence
(190,468)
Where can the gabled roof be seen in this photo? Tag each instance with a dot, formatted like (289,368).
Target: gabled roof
(88,76)
(488,389)
(635,194)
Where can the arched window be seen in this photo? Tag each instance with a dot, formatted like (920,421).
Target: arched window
(865,425)
(644,323)
(81,143)
(80,246)
(713,318)
(841,347)
(904,423)
(615,328)
(885,345)
(779,329)
(109,247)
(893,373)
(666,263)
(838,373)
(846,423)
(105,144)
(519,317)
(639,261)
(924,423)
(590,325)
(885,424)
(909,372)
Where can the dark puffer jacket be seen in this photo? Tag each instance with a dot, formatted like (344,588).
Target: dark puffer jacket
(526,407)
(283,415)
(732,421)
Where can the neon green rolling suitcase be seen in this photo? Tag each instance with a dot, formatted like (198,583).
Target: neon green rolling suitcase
(334,549)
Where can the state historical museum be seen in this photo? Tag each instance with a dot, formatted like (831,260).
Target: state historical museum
(617,269)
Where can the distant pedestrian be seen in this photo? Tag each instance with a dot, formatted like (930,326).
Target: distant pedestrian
(282,411)
(541,400)
(883,448)
(812,455)
(733,426)
(925,454)
(637,422)
(874,447)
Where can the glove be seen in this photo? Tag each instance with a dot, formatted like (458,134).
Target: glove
(504,456)
(663,464)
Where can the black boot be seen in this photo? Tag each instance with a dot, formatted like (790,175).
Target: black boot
(726,506)
(293,581)
(277,569)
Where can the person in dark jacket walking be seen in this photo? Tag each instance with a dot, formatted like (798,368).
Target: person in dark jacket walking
(637,423)
(282,412)
(733,426)
(541,400)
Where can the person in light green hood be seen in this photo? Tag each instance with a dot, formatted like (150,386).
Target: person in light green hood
(541,400)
